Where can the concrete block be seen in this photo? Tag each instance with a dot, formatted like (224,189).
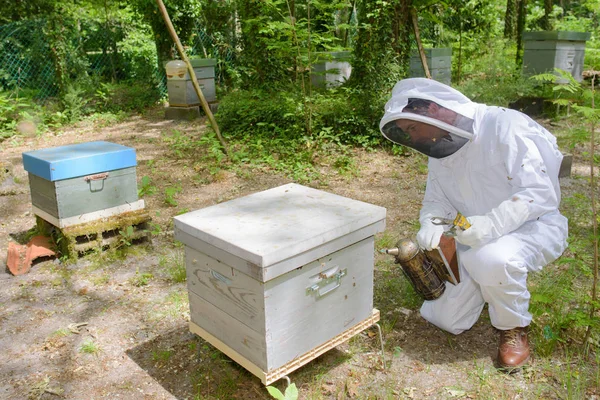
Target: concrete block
(182,113)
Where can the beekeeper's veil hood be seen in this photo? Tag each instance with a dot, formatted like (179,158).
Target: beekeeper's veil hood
(429,117)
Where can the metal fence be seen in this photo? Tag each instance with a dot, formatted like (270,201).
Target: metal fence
(25,60)
(27,66)
(202,45)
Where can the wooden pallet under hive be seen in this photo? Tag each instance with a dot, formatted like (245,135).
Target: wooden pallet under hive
(101,234)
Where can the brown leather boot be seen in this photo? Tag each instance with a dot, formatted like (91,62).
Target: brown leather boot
(513,352)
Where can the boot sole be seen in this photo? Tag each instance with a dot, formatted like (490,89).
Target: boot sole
(511,369)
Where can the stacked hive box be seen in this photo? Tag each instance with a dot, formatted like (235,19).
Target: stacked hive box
(278,277)
(439,62)
(183,100)
(544,51)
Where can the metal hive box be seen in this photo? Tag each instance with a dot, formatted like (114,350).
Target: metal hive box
(81,182)
(276,274)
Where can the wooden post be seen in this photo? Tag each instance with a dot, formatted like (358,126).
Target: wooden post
(413,14)
(190,69)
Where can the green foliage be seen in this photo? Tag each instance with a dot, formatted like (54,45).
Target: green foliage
(279,115)
(173,265)
(561,300)
(565,91)
(126,236)
(123,97)
(170,194)
(280,43)
(138,52)
(493,79)
(141,279)
(11,111)
(267,128)
(162,356)
(146,187)
(291,392)
(88,346)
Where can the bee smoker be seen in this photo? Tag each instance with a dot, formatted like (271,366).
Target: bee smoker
(427,271)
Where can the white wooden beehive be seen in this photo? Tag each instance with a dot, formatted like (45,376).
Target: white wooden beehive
(280,276)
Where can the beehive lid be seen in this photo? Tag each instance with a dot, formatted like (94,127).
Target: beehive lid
(279,224)
(433,52)
(203,62)
(557,35)
(64,162)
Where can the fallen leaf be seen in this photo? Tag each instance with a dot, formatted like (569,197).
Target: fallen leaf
(351,389)
(328,388)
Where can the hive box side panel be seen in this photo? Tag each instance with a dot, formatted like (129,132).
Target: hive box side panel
(274,270)
(299,319)
(280,268)
(226,288)
(43,194)
(239,337)
(218,254)
(208,89)
(76,196)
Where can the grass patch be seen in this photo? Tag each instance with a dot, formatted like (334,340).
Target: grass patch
(101,279)
(172,265)
(140,278)
(174,305)
(62,332)
(162,356)
(88,346)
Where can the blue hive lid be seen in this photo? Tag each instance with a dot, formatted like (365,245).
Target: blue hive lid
(64,162)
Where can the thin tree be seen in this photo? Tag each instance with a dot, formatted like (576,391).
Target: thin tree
(510,19)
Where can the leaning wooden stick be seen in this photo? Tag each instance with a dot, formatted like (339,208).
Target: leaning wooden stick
(413,14)
(190,69)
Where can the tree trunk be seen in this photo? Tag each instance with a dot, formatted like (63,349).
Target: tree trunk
(520,29)
(546,24)
(510,19)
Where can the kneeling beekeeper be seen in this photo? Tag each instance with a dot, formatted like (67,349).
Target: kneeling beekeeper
(499,169)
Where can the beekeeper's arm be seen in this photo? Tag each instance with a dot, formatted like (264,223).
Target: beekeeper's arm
(435,204)
(533,196)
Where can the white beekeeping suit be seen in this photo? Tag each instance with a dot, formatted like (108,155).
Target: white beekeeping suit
(499,168)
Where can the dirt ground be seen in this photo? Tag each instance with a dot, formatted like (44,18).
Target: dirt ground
(91,329)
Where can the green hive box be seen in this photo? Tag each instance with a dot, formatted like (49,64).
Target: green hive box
(181,90)
(544,51)
(439,62)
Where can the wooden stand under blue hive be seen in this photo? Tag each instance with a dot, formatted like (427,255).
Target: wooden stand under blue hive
(85,196)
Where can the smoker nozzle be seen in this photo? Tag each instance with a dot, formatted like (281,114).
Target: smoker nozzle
(394,252)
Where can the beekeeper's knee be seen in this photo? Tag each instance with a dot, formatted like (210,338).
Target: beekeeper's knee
(488,264)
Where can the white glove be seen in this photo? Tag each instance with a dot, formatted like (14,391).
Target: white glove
(429,235)
(480,232)
(505,218)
